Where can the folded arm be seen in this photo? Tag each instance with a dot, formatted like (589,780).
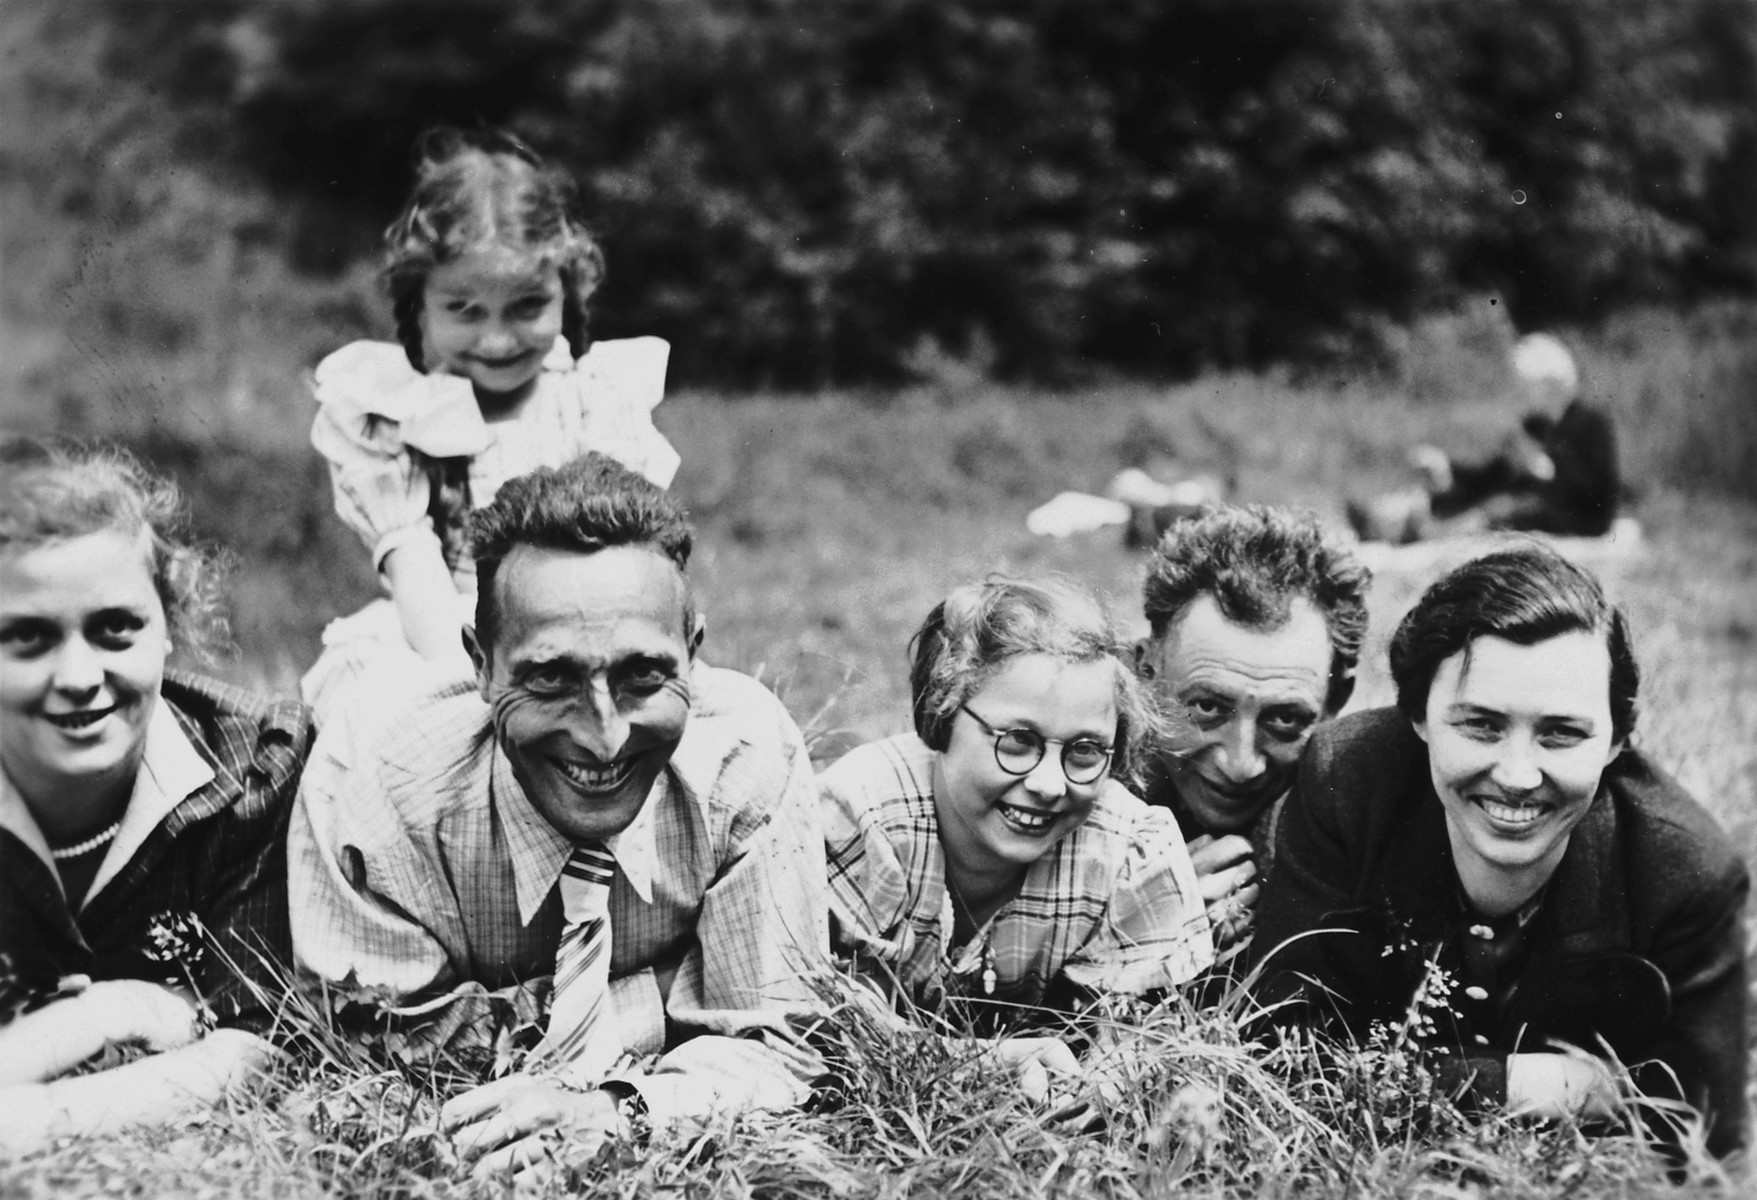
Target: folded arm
(185,1074)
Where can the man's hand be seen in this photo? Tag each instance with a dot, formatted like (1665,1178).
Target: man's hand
(515,1126)
(1228,877)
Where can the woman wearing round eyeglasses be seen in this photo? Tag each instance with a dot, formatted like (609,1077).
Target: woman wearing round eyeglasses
(994,854)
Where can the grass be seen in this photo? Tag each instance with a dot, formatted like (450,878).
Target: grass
(1194,1112)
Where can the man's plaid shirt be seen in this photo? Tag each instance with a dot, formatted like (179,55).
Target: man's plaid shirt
(418,866)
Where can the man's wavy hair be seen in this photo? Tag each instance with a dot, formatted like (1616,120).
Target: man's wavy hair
(589,504)
(980,627)
(487,188)
(54,492)
(1255,561)
(1525,594)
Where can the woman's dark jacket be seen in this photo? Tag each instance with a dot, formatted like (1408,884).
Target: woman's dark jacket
(218,858)
(1639,938)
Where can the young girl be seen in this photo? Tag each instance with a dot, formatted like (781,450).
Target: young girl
(489,270)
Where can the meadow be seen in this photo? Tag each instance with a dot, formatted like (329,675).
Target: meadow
(827,527)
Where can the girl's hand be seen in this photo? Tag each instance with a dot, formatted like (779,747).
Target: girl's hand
(1038,1060)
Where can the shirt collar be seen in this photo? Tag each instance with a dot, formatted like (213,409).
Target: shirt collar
(171,770)
(446,421)
(538,852)
(16,818)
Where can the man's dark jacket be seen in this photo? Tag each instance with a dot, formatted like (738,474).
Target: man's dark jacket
(1639,939)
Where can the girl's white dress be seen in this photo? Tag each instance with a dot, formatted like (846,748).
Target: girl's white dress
(389,432)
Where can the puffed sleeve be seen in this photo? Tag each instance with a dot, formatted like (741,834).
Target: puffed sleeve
(1154,933)
(620,383)
(365,393)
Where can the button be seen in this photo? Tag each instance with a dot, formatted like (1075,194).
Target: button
(1476,993)
(1482,931)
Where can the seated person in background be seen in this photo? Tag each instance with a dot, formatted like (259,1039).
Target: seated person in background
(1568,486)
(597,804)
(142,810)
(995,854)
(1497,833)
(1256,619)
(1557,475)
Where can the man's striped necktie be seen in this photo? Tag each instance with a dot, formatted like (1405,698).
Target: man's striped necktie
(581,1040)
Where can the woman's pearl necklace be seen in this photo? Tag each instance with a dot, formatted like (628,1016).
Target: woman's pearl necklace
(86,847)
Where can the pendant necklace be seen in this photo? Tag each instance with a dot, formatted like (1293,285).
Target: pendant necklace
(987,951)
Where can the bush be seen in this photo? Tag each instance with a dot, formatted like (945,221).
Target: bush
(800,194)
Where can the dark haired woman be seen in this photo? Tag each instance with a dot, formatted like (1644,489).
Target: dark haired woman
(142,811)
(1536,887)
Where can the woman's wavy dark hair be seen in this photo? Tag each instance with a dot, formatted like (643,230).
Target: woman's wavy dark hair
(51,492)
(1525,594)
(485,187)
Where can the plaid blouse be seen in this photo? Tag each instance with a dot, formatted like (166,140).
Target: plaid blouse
(1113,907)
(200,848)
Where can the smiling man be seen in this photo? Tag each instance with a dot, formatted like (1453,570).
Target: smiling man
(1257,619)
(595,791)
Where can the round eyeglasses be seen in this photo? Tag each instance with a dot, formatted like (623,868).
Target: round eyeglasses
(1018,751)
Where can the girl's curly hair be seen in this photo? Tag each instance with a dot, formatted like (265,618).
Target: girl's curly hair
(477,188)
(53,492)
(980,627)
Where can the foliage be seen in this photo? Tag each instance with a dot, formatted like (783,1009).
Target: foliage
(800,193)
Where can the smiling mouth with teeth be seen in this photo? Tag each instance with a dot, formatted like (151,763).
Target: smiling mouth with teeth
(1512,814)
(1026,820)
(78,720)
(607,778)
